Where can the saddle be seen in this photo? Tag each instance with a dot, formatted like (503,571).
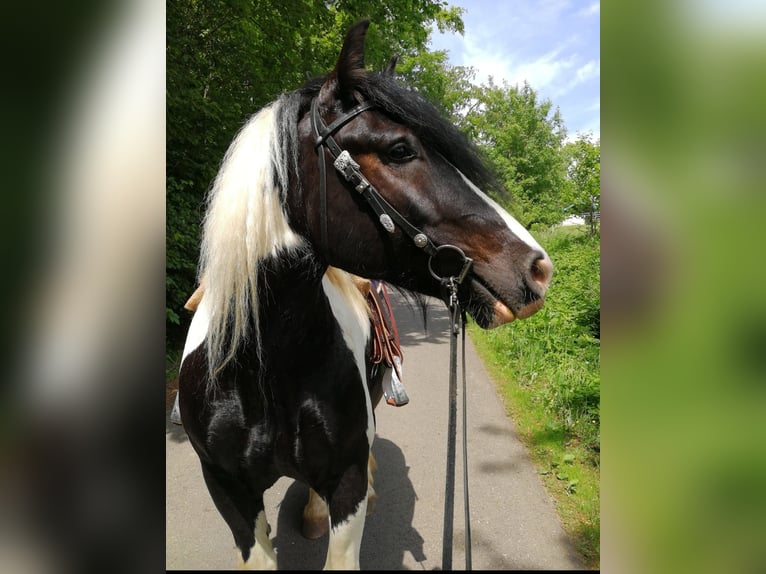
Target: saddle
(386,349)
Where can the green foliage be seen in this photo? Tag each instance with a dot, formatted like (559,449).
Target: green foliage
(447,87)
(548,370)
(522,138)
(557,352)
(228,58)
(583,189)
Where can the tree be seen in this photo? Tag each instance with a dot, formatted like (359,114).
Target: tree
(447,87)
(583,189)
(228,58)
(523,139)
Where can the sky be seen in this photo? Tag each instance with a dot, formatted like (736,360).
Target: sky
(552,44)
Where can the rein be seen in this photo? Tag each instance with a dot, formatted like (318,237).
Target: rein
(390,218)
(457,321)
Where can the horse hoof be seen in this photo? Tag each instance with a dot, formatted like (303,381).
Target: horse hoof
(315,528)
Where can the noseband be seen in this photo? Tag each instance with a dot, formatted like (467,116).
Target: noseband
(387,215)
(389,218)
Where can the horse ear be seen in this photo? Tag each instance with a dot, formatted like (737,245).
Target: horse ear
(349,71)
(389,71)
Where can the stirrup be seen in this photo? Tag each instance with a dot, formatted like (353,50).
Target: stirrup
(393,388)
(175,414)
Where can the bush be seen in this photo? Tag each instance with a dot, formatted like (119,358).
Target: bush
(557,352)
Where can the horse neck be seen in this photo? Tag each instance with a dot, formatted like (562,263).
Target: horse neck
(291,299)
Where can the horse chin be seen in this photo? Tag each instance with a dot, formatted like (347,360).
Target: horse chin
(486,310)
(502,315)
(489,315)
(489,311)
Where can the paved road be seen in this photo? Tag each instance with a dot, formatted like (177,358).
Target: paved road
(513,521)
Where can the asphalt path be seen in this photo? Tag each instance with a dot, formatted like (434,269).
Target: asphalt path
(513,522)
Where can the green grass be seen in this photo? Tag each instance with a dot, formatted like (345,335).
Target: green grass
(547,369)
(172,363)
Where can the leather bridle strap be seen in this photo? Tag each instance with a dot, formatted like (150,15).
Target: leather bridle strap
(387,214)
(457,322)
(323,138)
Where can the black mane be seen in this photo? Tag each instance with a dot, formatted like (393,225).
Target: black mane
(406,106)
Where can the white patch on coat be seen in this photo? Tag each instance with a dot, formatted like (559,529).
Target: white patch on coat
(262,555)
(198,328)
(516,228)
(350,310)
(346,541)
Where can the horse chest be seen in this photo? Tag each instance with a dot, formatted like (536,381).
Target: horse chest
(290,412)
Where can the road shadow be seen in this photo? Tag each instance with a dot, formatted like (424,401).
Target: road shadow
(294,552)
(388,532)
(409,320)
(175,432)
(496,430)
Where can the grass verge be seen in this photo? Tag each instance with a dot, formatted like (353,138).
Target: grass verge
(567,468)
(547,369)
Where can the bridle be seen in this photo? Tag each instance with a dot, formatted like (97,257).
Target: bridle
(390,218)
(387,214)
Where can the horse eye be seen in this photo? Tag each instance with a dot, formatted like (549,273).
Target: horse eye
(400,152)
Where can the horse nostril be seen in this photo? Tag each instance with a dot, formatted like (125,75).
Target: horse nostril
(541,271)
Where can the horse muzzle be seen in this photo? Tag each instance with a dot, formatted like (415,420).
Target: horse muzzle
(502,306)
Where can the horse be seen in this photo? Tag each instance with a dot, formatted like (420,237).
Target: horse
(385,364)
(275,378)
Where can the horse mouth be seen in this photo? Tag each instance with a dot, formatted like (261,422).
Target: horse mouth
(489,309)
(503,315)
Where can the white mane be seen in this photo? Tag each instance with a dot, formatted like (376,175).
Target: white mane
(245,224)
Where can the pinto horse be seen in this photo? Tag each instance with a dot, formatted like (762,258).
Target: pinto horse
(275,375)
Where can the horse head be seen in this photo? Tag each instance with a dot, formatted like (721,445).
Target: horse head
(427,172)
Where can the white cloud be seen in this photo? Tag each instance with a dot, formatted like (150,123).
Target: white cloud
(544,71)
(541,72)
(550,44)
(593,128)
(589,71)
(594,8)
(588,120)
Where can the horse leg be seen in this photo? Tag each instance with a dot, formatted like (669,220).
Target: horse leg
(244,514)
(316,516)
(372,498)
(348,508)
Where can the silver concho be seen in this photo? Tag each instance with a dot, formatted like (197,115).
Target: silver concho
(387,222)
(344,161)
(420,240)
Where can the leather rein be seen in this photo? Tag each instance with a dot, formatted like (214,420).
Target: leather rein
(390,218)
